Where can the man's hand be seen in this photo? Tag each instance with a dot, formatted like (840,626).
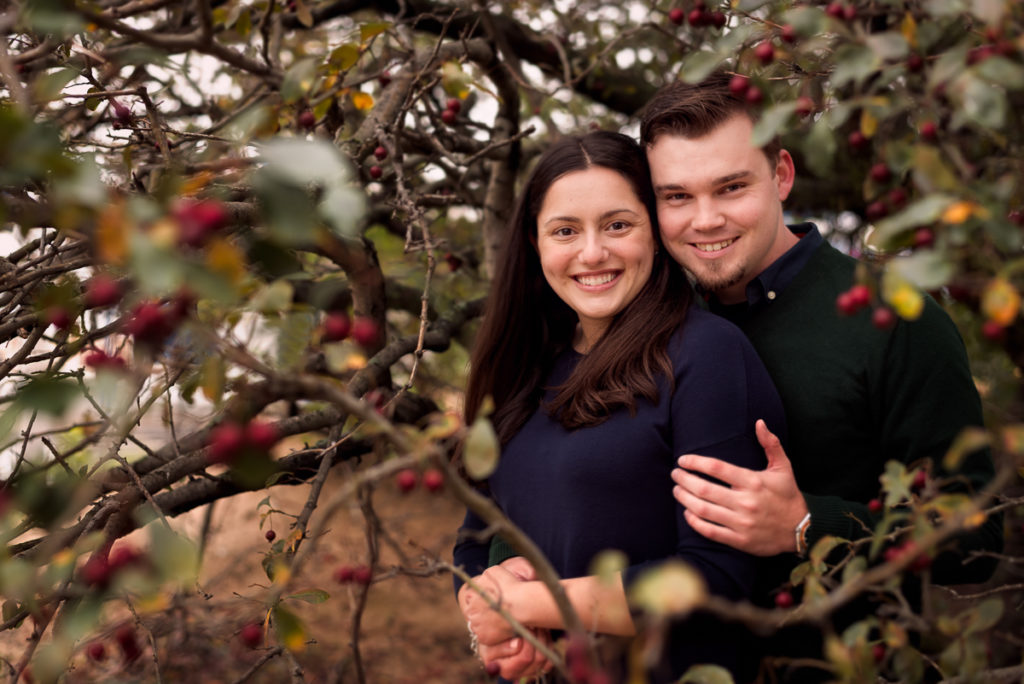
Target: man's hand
(760,511)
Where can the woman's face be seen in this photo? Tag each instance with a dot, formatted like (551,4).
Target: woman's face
(596,245)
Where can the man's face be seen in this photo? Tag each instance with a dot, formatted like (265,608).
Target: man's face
(720,205)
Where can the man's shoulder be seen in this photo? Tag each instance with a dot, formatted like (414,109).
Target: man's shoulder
(704,333)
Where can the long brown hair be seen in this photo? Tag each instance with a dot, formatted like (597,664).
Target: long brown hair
(526,325)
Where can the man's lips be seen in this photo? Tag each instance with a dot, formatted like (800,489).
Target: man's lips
(712,247)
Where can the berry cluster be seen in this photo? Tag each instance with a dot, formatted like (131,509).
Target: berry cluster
(229,440)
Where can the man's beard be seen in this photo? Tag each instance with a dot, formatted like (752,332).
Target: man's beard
(713,279)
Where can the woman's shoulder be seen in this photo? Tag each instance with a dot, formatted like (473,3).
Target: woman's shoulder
(703,331)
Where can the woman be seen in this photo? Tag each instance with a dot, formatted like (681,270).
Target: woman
(602,374)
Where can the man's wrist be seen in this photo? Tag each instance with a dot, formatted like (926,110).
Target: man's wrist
(800,534)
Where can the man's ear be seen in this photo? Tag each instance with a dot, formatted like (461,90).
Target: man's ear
(785,174)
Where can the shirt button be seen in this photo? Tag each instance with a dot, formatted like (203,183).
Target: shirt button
(771,294)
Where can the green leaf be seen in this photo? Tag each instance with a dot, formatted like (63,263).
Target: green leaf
(671,588)
(930,173)
(854,569)
(311,596)
(298,80)
(697,65)
(368,31)
(294,331)
(969,440)
(896,483)
(821,550)
(928,269)
(482,450)
(853,63)
(819,149)
(773,119)
(607,563)
(48,394)
(986,615)
(890,45)
(922,212)
(984,103)
(1002,71)
(175,557)
(706,674)
(49,85)
(290,630)
(273,299)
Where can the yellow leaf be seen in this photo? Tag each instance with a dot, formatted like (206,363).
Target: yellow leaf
(969,440)
(224,258)
(443,425)
(906,301)
(196,183)
(607,564)
(868,123)
(908,27)
(976,520)
(213,377)
(1013,438)
(367,31)
(1000,301)
(356,361)
(670,588)
(362,101)
(958,212)
(112,231)
(481,449)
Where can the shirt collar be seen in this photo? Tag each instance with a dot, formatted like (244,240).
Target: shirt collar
(774,279)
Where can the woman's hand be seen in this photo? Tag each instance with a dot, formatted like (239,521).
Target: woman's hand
(516,657)
(502,586)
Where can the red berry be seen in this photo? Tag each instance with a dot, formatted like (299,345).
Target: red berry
(892,554)
(880,173)
(897,197)
(493,669)
(58,317)
(125,636)
(343,574)
(857,141)
(261,435)
(364,331)
(433,480)
(454,104)
(739,85)
(718,19)
(449,116)
(376,172)
(875,506)
(307,120)
(96,571)
(122,115)
(754,95)
(920,480)
(380,152)
(271,535)
(384,79)
(336,327)
(226,442)
(124,556)
(784,599)
(915,63)
(251,635)
(849,12)
(924,237)
(676,16)
(765,52)
(102,290)
(878,652)
(96,359)
(804,106)
(929,131)
(198,220)
(844,304)
(883,318)
(1016,216)
(406,480)
(696,17)
(835,10)
(861,295)
(96,651)
(454,262)
(876,210)
(362,574)
(788,33)
(980,54)
(993,331)
(148,324)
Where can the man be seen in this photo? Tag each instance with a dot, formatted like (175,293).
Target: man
(855,397)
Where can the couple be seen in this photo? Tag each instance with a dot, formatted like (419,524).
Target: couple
(604,372)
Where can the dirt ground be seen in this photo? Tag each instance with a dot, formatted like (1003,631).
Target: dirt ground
(411,629)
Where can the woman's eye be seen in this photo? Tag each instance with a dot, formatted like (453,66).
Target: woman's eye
(564,231)
(619,225)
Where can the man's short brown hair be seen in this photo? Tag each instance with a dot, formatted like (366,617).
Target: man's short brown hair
(692,110)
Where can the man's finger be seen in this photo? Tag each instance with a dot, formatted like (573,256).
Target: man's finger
(732,475)
(773,450)
(705,490)
(706,510)
(715,533)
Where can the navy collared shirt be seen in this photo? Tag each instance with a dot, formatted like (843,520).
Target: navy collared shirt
(774,279)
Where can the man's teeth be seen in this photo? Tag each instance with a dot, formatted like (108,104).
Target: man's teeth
(596,279)
(713,246)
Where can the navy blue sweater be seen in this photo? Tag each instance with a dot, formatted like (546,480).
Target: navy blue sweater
(578,492)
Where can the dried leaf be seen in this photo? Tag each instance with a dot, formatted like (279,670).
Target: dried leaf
(482,450)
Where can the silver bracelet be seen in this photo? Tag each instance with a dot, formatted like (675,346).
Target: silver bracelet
(801,534)
(474,644)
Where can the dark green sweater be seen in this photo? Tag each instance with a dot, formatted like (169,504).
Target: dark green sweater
(857,397)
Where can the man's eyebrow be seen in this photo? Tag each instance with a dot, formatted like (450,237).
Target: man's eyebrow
(721,180)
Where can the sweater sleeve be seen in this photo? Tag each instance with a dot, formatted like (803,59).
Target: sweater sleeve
(471,549)
(721,390)
(925,396)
